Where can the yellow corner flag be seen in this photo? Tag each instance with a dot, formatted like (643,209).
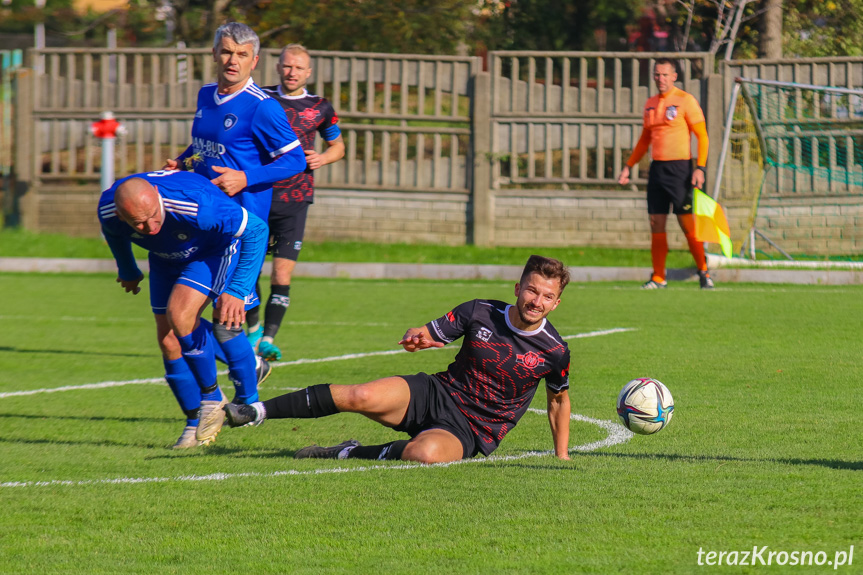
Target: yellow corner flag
(710,223)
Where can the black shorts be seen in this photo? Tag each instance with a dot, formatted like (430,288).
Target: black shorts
(670,183)
(287,226)
(431,407)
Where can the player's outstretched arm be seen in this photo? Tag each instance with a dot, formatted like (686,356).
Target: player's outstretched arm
(417,338)
(558,419)
(128,274)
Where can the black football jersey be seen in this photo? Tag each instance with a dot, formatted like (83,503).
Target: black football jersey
(308,114)
(497,371)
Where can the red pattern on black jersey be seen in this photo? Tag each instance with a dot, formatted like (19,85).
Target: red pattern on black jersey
(308,115)
(487,382)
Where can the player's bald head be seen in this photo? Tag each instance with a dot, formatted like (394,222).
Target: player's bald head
(134,195)
(138,205)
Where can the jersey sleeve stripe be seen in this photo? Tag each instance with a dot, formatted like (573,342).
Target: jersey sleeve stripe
(285,149)
(439,334)
(255,90)
(181,202)
(192,213)
(108,211)
(184,208)
(243,225)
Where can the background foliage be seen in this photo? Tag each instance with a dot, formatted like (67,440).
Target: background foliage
(810,27)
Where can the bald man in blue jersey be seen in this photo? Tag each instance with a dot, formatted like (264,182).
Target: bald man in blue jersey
(203,248)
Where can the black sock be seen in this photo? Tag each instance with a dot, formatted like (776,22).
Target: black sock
(313,401)
(390,451)
(253,316)
(277,305)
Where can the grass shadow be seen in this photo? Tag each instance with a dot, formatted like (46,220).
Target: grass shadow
(829,463)
(93,418)
(70,352)
(68,443)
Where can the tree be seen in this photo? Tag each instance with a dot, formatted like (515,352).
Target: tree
(770,33)
(558,24)
(407,26)
(720,21)
(59,17)
(823,28)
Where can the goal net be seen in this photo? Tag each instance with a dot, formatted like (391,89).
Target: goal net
(788,141)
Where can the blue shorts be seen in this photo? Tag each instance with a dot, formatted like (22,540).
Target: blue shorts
(210,276)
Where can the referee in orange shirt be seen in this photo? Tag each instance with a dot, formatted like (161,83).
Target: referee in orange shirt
(669,117)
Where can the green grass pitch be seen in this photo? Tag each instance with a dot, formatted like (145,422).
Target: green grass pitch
(764,450)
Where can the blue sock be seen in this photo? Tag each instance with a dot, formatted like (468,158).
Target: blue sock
(211,339)
(182,382)
(199,356)
(241,366)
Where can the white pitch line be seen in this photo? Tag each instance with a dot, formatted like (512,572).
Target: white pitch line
(161,380)
(601,332)
(617,434)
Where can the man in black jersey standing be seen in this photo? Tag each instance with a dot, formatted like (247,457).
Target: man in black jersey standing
(471,406)
(308,114)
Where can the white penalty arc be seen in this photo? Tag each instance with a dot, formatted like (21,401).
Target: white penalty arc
(617,434)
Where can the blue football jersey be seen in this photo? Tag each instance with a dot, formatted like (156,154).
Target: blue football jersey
(199,221)
(243,130)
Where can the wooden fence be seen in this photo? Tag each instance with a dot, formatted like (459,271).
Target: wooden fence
(437,149)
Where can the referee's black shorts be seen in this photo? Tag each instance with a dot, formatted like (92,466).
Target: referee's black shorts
(669,183)
(431,407)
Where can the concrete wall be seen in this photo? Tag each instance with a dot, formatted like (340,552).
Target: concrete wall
(543,219)
(548,218)
(388,217)
(816,226)
(574,218)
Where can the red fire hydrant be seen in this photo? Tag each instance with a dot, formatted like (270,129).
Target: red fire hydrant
(107,127)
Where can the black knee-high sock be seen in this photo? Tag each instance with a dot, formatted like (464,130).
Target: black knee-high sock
(277,305)
(314,401)
(391,451)
(253,316)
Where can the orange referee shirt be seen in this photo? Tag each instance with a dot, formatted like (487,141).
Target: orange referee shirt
(668,120)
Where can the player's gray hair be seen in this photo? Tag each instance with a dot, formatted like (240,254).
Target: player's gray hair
(295,48)
(239,33)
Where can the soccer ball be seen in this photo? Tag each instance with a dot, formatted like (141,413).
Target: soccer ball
(645,405)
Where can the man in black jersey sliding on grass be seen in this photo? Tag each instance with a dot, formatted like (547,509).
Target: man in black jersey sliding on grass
(471,406)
